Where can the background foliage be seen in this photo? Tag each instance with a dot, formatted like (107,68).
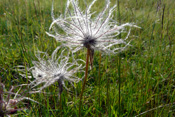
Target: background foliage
(147,68)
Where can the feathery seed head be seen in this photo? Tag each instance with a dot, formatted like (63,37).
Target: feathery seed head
(54,69)
(84,29)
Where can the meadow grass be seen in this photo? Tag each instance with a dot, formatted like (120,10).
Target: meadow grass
(147,69)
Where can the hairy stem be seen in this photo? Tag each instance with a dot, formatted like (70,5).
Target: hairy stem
(86,73)
(61,105)
(1,98)
(119,18)
(108,87)
(99,79)
(119,79)
(60,85)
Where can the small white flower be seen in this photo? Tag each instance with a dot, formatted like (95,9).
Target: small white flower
(90,30)
(48,70)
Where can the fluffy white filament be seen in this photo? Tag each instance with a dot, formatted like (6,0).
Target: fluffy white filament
(50,69)
(78,25)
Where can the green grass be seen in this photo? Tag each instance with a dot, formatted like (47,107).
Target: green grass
(147,71)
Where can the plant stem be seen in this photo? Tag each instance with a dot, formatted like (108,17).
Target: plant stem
(119,18)
(86,72)
(60,105)
(119,64)
(1,97)
(99,79)
(60,85)
(108,86)
(108,104)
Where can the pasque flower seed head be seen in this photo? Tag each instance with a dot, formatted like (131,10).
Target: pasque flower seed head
(88,29)
(57,68)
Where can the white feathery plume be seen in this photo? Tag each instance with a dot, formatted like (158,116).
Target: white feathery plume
(55,68)
(83,29)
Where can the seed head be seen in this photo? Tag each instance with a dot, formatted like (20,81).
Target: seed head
(89,41)
(48,70)
(88,29)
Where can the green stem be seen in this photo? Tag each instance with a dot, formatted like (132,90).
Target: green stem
(84,83)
